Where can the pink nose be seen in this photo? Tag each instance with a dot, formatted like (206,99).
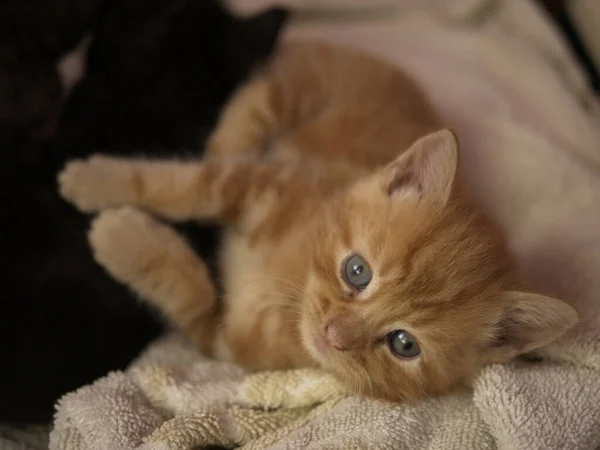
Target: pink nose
(334,337)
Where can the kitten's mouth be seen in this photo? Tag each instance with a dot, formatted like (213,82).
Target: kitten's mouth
(320,344)
(321,351)
(315,342)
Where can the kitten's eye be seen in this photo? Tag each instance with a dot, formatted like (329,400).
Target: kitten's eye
(403,344)
(356,272)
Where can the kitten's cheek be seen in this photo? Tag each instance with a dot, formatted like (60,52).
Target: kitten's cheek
(305,332)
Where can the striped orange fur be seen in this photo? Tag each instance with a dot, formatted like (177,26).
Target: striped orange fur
(324,158)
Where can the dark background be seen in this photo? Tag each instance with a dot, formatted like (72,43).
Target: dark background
(158,72)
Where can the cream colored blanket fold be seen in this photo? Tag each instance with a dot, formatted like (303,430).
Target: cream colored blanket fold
(172,398)
(530,139)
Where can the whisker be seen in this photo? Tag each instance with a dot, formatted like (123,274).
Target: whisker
(266,294)
(368,377)
(296,287)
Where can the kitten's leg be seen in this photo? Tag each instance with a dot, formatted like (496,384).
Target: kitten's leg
(245,123)
(216,190)
(154,261)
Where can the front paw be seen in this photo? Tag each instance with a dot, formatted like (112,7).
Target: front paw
(97,183)
(126,242)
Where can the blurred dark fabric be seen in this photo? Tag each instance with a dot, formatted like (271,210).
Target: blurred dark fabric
(158,72)
(558,11)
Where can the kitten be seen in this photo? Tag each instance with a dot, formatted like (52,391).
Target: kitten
(157,72)
(350,243)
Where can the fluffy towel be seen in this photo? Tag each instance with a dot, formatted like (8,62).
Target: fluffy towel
(173,398)
(500,76)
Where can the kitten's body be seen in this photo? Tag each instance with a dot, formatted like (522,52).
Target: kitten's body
(306,172)
(321,114)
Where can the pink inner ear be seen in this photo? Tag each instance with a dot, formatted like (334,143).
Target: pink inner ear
(506,334)
(534,320)
(407,179)
(429,166)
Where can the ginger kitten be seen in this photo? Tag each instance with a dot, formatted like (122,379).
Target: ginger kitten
(350,245)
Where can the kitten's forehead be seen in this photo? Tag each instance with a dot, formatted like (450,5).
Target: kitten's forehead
(422,254)
(384,230)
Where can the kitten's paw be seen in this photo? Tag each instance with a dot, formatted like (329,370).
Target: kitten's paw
(126,242)
(224,145)
(97,183)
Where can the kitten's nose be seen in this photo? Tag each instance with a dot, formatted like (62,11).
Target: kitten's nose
(346,331)
(334,336)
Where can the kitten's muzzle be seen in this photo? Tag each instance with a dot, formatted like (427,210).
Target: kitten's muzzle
(333,337)
(345,333)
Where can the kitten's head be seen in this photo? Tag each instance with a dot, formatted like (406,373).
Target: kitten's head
(411,290)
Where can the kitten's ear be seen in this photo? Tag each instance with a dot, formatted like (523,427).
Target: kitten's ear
(428,167)
(533,321)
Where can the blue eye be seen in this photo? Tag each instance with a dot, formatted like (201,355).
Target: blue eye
(356,272)
(403,344)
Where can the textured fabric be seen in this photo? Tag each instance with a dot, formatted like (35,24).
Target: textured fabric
(527,123)
(24,438)
(174,398)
